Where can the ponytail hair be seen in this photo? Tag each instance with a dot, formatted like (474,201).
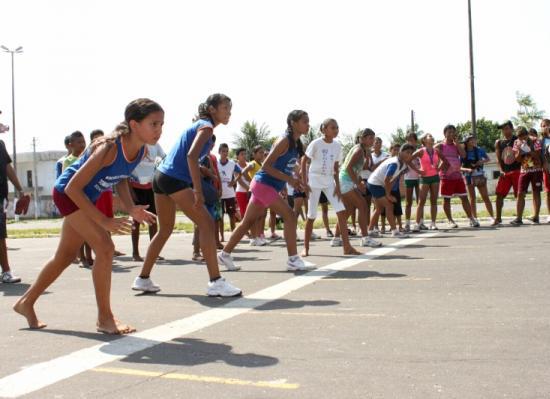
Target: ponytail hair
(294,116)
(137,111)
(214,100)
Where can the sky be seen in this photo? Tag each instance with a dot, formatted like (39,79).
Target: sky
(366,63)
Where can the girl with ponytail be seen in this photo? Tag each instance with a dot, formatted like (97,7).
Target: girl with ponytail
(177,183)
(266,187)
(107,162)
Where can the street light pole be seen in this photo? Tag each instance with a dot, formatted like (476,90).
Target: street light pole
(472,87)
(18,50)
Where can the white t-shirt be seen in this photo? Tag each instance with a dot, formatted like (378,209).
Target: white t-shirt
(323,156)
(379,158)
(390,167)
(144,171)
(227,174)
(240,187)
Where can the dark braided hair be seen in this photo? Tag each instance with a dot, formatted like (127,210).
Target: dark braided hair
(294,116)
(214,100)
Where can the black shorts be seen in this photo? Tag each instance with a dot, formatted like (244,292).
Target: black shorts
(164,184)
(3,230)
(298,194)
(228,206)
(323,198)
(397,209)
(367,193)
(145,196)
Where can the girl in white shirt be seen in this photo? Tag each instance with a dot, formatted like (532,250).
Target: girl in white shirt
(322,176)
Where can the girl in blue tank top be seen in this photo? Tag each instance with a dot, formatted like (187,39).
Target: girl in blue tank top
(105,163)
(265,188)
(177,183)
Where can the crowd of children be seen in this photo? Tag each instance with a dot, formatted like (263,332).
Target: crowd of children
(278,182)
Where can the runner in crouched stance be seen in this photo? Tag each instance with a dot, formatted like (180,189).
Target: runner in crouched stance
(266,186)
(106,162)
(177,181)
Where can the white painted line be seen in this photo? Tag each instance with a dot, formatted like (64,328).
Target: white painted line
(41,375)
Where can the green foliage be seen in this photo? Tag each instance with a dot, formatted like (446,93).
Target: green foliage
(251,135)
(528,115)
(400,134)
(311,135)
(348,141)
(487,133)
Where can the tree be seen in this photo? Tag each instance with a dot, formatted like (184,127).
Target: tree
(528,114)
(251,135)
(487,133)
(348,141)
(311,135)
(400,135)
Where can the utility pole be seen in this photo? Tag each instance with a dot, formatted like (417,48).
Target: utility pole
(472,86)
(412,121)
(35,180)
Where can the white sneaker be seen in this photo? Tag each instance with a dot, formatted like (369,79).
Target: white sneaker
(433,226)
(474,223)
(227,261)
(452,225)
(369,242)
(374,233)
(221,287)
(314,236)
(295,263)
(262,241)
(9,278)
(145,285)
(398,234)
(336,242)
(548,219)
(253,242)
(416,228)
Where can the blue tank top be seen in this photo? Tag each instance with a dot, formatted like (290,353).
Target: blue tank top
(285,163)
(107,177)
(175,163)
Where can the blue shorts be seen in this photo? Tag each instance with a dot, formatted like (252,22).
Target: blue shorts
(376,191)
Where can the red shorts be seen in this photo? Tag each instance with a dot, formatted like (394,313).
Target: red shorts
(533,178)
(242,202)
(105,203)
(546,181)
(506,181)
(451,188)
(64,204)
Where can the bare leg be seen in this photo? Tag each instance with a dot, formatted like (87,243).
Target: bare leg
(499,205)
(536,203)
(447,209)
(254,212)
(4,256)
(421,202)
(472,195)
(466,206)
(485,195)
(520,205)
(434,193)
(409,201)
(135,242)
(307,236)
(166,215)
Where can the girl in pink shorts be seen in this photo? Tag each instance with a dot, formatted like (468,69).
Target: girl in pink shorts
(276,172)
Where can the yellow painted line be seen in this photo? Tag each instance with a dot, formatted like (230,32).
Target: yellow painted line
(317,314)
(198,378)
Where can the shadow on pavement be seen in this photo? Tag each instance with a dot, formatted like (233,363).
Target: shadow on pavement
(394,257)
(194,352)
(353,274)
(15,289)
(96,336)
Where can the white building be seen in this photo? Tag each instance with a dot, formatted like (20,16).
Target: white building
(44,180)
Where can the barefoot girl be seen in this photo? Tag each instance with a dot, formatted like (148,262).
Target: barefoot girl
(352,186)
(266,186)
(107,162)
(323,177)
(177,182)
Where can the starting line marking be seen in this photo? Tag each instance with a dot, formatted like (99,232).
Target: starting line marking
(282,384)
(41,375)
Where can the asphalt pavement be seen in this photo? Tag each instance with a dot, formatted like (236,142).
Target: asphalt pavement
(454,314)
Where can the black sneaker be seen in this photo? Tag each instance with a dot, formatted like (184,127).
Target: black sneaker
(516,222)
(534,220)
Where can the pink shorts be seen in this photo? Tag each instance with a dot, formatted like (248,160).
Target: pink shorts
(262,194)
(451,188)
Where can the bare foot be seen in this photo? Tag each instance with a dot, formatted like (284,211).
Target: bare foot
(137,258)
(114,327)
(28,312)
(352,251)
(118,253)
(305,252)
